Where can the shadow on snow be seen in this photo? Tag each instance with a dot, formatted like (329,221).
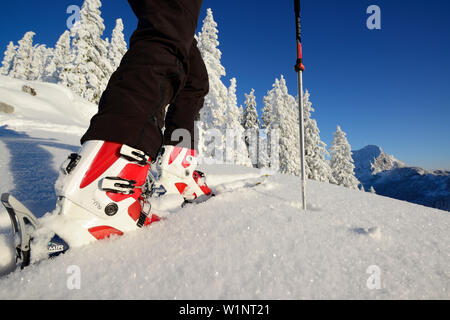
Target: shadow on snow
(32,169)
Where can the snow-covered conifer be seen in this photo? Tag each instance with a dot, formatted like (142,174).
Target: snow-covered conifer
(21,64)
(89,71)
(236,150)
(41,57)
(118,46)
(269,125)
(232,113)
(342,164)
(212,115)
(251,124)
(8,59)
(268,116)
(317,167)
(250,118)
(241,114)
(62,56)
(281,112)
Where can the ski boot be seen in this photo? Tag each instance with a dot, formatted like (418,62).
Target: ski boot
(102,193)
(178,174)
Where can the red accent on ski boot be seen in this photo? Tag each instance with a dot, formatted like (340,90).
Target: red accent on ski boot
(106,156)
(104,232)
(197,177)
(178,174)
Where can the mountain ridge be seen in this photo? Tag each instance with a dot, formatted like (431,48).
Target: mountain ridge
(391,177)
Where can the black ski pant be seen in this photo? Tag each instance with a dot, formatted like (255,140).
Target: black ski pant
(162,67)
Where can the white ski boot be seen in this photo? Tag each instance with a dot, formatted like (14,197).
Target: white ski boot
(100,193)
(178,174)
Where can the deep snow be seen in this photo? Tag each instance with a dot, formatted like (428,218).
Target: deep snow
(249,242)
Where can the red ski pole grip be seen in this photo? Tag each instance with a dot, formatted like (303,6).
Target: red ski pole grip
(299,65)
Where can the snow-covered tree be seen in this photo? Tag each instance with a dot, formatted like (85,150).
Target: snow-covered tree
(342,164)
(41,57)
(21,64)
(281,112)
(118,46)
(212,115)
(236,150)
(289,130)
(317,167)
(250,119)
(268,116)
(270,133)
(89,71)
(62,56)
(232,112)
(251,124)
(241,114)
(8,59)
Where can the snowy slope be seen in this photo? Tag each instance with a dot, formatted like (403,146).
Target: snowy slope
(54,108)
(32,135)
(249,242)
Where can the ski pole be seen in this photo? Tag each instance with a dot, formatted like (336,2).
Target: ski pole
(299,68)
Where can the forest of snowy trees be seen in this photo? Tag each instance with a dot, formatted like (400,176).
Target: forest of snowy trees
(229,133)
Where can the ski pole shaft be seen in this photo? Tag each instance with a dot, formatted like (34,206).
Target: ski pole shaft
(302,138)
(299,68)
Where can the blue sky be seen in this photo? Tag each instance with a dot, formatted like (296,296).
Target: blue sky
(389,87)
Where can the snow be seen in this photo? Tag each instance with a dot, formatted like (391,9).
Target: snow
(54,108)
(251,241)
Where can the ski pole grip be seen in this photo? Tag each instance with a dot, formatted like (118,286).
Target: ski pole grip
(297,7)
(297,20)
(299,64)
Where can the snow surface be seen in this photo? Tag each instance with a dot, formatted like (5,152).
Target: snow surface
(251,241)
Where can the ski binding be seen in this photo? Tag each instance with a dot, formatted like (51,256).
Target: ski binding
(24,223)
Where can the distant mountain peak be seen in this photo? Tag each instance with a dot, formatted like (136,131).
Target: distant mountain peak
(371,147)
(371,160)
(385,162)
(391,177)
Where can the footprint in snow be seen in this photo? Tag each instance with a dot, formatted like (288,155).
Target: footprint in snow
(373,232)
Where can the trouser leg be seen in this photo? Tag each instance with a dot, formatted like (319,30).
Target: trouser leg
(184,111)
(151,74)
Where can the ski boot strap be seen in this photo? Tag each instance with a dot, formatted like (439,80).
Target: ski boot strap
(119,185)
(146,209)
(124,186)
(135,155)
